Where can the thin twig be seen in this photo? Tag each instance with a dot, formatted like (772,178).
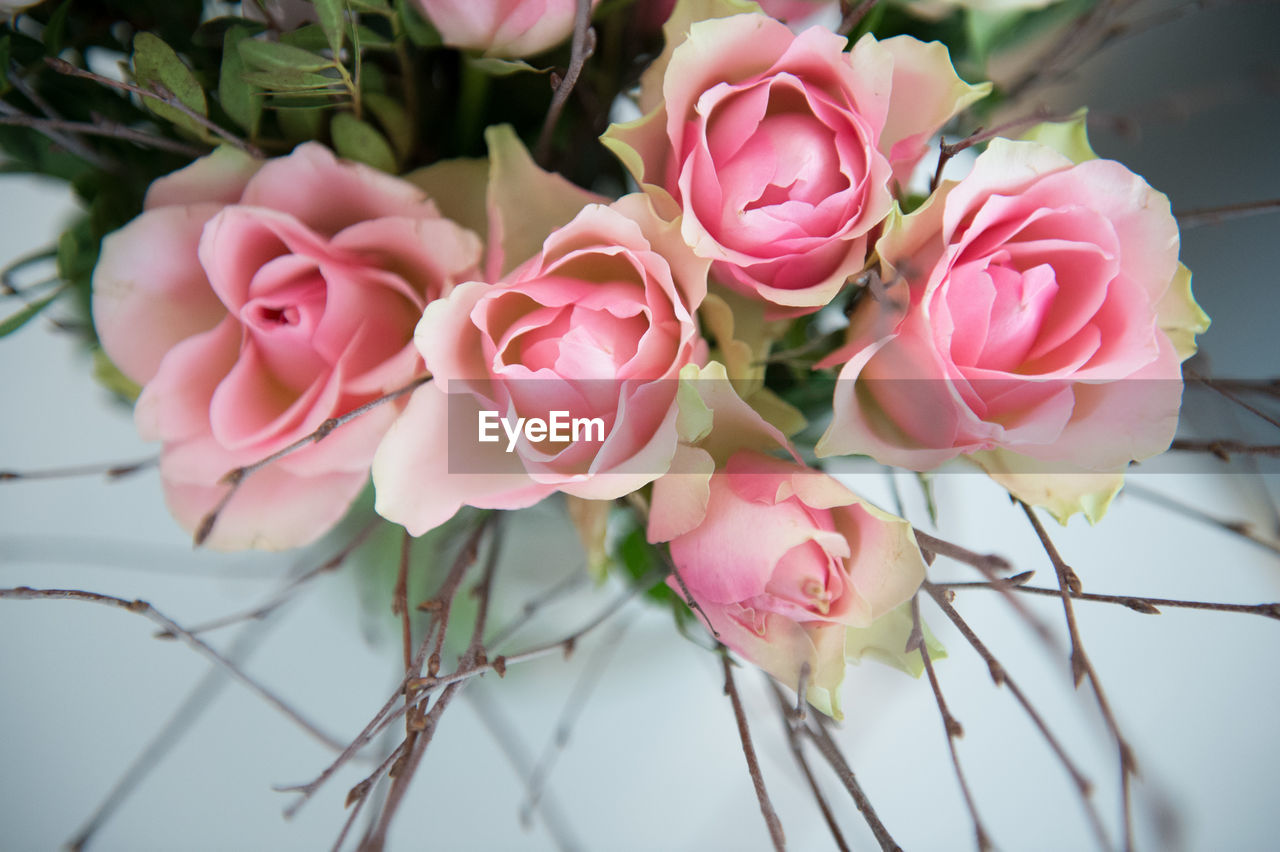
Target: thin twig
(141,607)
(1148,606)
(854,16)
(952,727)
(521,761)
(111,470)
(817,732)
(749,752)
(285,594)
(1244,529)
(989,565)
(790,716)
(54,127)
(178,725)
(583,45)
(159,93)
(947,150)
(416,746)
(1224,447)
(1225,213)
(586,683)
(236,477)
(1001,677)
(1230,394)
(1082,667)
(71,143)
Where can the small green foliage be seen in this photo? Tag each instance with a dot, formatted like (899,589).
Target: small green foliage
(394,120)
(360,141)
(30,311)
(107,374)
(637,559)
(55,31)
(333,20)
(241,99)
(278,67)
(155,64)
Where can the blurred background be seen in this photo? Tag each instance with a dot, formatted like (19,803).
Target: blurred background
(1190,100)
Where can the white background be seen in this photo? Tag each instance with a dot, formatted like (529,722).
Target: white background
(654,760)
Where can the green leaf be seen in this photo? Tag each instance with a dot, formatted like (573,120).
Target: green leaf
(5,52)
(394,119)
(275,56)
(302,124)
(56,29)
(154,62)
(418,29)
(15,321)
(293,82)
(360,141)
(926,486)
(333,20)
(241,99)
(495,67)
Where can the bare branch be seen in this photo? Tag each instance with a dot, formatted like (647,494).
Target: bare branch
(790,717)
(953,729)
(1146,605)
(749,752)
(111,470)
(1081,667)
(581,49)
(141,607)
(1001,677)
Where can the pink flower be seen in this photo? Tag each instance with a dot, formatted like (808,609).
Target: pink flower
(784,561)
(654,12)
(502,27)
(596,326)
(255,300)
(782,150)
(1036,308)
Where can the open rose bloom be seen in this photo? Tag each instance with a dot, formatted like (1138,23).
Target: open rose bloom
(782,151)
(596,325)
(252,308)
(1035,318)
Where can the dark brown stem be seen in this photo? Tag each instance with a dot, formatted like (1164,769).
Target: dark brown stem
(71,143)
(583,45)
(141,607)
(1081,667)
(237,476)
(952,727)
(749,751)
(1001,677)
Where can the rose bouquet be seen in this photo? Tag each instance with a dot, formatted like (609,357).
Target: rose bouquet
(372,274)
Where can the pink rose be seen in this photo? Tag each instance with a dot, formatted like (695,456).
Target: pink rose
(784,561)
(254,300)
(782,150)
(1036,308)
(502,27)
(652,14)
(596,326)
